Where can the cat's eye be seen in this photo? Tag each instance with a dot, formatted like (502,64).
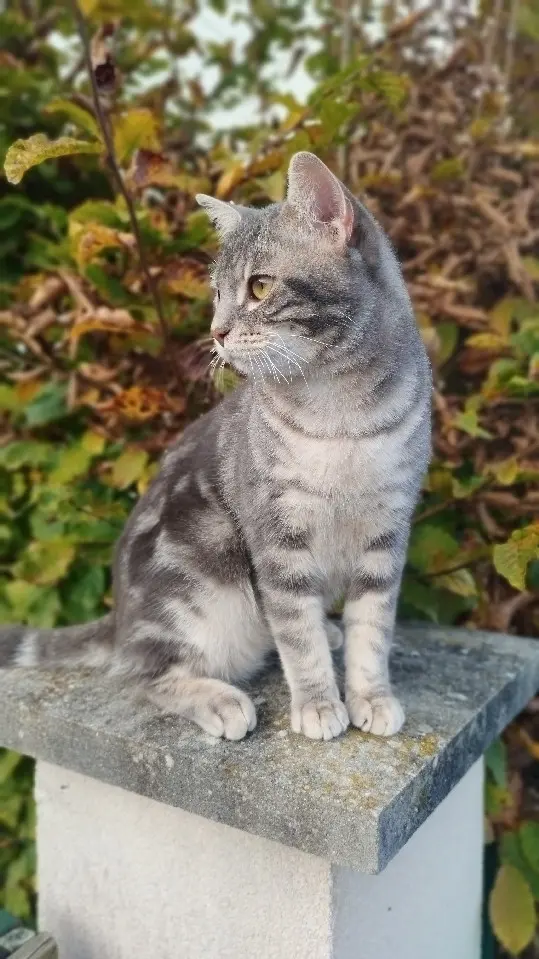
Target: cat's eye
(260,286)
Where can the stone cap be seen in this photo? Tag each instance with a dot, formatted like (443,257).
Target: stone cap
(354,801)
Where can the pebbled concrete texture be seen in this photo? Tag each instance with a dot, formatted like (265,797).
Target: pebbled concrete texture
(354,801)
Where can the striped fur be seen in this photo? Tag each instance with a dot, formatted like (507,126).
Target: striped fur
(298,488)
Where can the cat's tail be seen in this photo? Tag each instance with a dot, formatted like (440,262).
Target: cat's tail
(87,645)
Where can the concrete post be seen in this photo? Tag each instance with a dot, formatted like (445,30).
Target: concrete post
(121,875)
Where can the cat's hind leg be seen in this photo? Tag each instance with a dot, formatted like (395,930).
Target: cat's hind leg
(219,708)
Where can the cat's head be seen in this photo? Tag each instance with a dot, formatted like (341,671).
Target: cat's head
(296,283)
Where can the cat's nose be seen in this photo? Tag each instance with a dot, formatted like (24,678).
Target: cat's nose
(219,335)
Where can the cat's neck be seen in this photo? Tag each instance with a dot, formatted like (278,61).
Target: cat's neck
(319,406)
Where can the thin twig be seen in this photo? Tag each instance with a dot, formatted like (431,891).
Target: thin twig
(345,58)
(510,47)
(102,119)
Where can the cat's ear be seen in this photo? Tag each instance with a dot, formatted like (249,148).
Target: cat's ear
(315,192)
(225,217)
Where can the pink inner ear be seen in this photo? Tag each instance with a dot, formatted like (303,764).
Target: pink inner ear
(313,189)
(328,201)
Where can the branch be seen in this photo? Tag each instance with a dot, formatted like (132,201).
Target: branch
(104,125)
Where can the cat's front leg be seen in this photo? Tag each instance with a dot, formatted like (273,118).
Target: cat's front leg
(295,615)
(369,622)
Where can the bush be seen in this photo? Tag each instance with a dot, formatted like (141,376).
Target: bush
(104,304)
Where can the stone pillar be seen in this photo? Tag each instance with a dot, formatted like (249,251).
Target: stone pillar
(122,875)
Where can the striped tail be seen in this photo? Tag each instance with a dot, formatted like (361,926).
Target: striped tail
(86,645)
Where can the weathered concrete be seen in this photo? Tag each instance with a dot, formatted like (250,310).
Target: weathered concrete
(355,801)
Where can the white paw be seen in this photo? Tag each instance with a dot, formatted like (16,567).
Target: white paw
(382,716)
(335,635)
(230,715)
(320,719)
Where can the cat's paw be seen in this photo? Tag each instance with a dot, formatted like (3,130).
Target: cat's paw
(229,715)
(320,718)
(381,716)
(334,634)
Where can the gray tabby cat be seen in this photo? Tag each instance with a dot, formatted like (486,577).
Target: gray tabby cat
(297,488)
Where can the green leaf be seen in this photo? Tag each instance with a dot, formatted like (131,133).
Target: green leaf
(431,547)
(529,841)
(128,468)
(448,334)
(452,168)
(77,114)
(510,850)
(512,910)
(417,598)
(85,593)
(496,762)
(25,453)
(9,401)
(511,559)
(24,154)
(98,211)
(8,763)
(32,604)
(47,406)
(73,462)
(468,419)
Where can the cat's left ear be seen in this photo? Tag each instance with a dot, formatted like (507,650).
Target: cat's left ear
(226,217)
(315,192)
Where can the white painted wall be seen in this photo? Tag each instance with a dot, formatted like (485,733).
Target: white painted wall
(122,876)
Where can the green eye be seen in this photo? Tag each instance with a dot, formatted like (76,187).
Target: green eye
(260,286)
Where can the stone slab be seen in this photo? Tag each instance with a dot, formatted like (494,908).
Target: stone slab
(354,801)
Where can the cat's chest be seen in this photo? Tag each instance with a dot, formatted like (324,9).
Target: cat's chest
(339,469)
(336,493)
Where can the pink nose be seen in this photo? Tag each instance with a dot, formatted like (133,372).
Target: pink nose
(219,335)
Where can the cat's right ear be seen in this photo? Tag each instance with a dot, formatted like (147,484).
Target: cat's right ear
(225,217)
(316,193)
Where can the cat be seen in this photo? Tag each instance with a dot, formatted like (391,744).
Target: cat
(298,488)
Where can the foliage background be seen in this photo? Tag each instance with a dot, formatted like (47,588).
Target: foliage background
(103,359)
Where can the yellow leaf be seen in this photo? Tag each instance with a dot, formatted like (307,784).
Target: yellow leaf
(93,442)
(74,462)
(146,477)
(512,910)
(45,563)
(501,315)
(274,186)
(187,277)
(531,265)
(270,161)
(506,471)
(530,744)
(528,148)
(128,468)
(150,168)
(460,582)
(93,238)
(487,341)
(26,391)
(229,180)
(24,154)
(511,558)
(450,169)
(135,130)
